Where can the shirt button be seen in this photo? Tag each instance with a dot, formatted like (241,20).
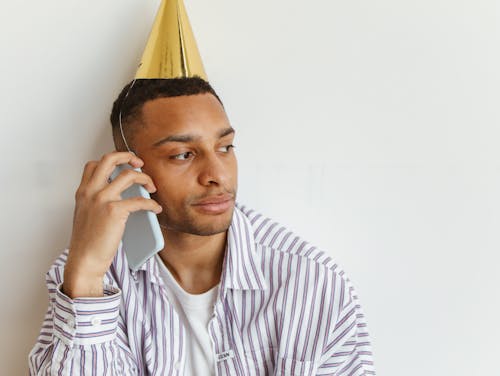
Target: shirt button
(70,322)
(177,365)
(95,321)
(133,369)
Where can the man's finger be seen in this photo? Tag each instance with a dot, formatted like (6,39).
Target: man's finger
(88,171)
(108,163)
(140,203)
(125,179)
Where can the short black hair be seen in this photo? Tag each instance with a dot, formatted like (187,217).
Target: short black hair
(144,90)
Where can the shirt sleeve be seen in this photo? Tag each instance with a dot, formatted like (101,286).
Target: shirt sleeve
(348,348)
(77,335)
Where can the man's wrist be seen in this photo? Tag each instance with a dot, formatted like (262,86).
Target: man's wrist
(78,284)
(83,289)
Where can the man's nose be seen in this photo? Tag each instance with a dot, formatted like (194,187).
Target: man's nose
(213,170)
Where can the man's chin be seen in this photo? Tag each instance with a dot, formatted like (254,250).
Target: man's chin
(214,224)
(210,228)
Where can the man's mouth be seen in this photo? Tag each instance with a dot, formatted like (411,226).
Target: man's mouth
(214,204)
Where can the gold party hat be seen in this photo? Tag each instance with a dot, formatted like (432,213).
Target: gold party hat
(171,50)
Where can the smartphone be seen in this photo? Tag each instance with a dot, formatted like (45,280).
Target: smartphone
(142,237)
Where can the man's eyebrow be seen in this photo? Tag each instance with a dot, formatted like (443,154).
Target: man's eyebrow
(190,138)
(226,131)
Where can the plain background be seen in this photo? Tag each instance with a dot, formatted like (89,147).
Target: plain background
(371,128)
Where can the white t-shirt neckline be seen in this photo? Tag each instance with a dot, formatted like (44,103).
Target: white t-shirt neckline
(193,301)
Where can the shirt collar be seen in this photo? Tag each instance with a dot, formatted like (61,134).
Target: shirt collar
(241,268)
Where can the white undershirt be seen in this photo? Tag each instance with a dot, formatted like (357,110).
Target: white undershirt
(195,311)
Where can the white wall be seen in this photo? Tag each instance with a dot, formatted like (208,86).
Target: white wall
(377,121)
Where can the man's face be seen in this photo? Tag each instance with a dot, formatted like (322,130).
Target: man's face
(196,166)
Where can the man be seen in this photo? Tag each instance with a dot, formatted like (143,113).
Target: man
(231,293)
(275,303)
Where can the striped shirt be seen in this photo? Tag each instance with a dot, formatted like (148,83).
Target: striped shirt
(284,307)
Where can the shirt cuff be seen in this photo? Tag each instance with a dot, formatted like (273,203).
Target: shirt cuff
(88,320)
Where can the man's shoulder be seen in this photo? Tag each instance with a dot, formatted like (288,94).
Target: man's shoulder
(272,236)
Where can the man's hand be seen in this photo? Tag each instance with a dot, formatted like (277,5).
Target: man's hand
(99,221)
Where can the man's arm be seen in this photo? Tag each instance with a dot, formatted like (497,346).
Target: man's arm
(77,335)
(78,332)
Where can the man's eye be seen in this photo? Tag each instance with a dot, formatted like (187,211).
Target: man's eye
(229,147)
(180,155)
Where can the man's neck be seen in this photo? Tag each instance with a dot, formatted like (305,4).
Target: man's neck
(194,261)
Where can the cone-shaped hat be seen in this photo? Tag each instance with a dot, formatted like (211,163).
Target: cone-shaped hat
(171,50)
